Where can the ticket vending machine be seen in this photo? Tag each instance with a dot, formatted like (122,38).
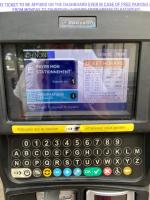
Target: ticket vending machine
(75,105)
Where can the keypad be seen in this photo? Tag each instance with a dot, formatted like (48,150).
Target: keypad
(95,155)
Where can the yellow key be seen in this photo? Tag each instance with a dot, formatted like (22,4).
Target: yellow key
(127,171)
(47,172)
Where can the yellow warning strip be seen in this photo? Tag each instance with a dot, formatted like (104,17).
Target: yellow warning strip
(107,128)
(35,129)
(90,128)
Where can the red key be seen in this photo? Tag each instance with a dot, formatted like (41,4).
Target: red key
(107,171)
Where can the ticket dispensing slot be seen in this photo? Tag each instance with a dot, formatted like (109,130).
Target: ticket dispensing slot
(103,195)
(74,105)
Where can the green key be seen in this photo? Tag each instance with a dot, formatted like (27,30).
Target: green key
(97,171)
(92,171)
(87,171)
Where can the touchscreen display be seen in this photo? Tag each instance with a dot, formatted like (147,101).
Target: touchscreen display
(90,79)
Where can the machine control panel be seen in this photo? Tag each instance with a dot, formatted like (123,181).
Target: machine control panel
(77,156)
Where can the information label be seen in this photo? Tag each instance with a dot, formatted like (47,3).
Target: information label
(91,128)
(40,5)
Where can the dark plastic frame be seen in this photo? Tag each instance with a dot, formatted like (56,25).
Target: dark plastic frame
(111,26)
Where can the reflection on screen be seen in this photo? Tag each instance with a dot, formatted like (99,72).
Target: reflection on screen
(72,79)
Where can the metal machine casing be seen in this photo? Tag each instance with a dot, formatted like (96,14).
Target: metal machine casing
(111,26)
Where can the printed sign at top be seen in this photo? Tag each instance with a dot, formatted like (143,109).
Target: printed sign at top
(41,5)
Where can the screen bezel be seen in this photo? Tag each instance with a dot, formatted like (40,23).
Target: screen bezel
(26,29)
(14,116)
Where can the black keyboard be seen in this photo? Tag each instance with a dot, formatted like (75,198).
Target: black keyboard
(77,156)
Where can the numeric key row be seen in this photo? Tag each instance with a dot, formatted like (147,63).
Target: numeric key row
(87,142)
